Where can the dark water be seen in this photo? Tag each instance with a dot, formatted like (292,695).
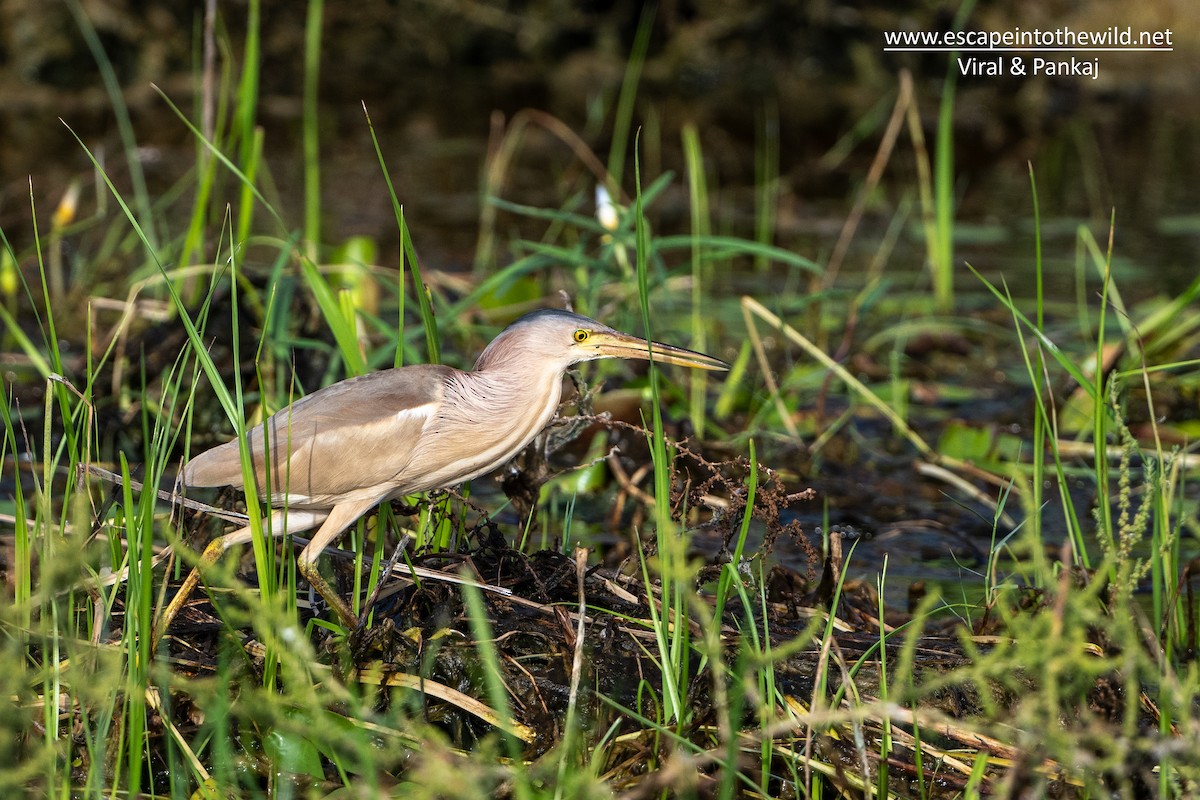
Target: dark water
(439,80)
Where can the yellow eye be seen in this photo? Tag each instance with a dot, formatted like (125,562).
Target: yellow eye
(580,336)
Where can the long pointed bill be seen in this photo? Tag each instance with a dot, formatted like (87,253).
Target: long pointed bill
(621,345)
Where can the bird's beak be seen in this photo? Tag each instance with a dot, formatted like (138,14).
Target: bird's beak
(613,344)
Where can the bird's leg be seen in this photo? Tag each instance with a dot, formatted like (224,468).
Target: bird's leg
(280,522)
(340,517)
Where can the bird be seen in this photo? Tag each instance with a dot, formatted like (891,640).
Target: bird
(331,456)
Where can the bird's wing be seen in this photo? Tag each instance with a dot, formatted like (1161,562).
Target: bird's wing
(347,438)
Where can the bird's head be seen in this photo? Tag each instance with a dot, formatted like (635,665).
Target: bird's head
(555,339)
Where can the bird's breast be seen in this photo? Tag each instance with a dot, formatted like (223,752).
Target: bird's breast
(482,422)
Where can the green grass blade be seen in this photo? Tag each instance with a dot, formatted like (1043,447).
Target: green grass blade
(717,247)
(701,226)
(623,121)
(408,254)
(116,98)
(312,153)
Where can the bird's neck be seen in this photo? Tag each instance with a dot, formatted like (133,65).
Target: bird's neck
(490,414)
(530,395)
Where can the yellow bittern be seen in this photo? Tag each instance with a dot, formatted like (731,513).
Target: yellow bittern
(337,453)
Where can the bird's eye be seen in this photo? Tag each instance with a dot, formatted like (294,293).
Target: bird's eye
(580,336)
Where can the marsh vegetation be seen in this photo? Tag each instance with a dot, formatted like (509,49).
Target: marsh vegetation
(934,535)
